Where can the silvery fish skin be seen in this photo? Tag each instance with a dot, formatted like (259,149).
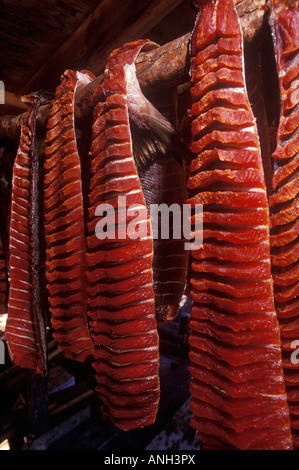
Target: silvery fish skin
(160,157)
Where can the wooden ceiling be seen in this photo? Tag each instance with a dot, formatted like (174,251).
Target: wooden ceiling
(40,39)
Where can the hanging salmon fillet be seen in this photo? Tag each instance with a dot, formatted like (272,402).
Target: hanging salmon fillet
(284,203)
(237,386)
(66,264)
(26,323)
(121,297)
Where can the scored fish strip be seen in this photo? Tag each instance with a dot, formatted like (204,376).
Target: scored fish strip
(121,298)
(66,264)
(238,392)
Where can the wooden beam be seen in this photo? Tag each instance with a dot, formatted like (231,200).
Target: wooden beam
(165,66)
(12,104)
(11,99)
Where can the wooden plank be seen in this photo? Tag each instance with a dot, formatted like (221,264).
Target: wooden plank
(94,431)
(177,434)
(44,441)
